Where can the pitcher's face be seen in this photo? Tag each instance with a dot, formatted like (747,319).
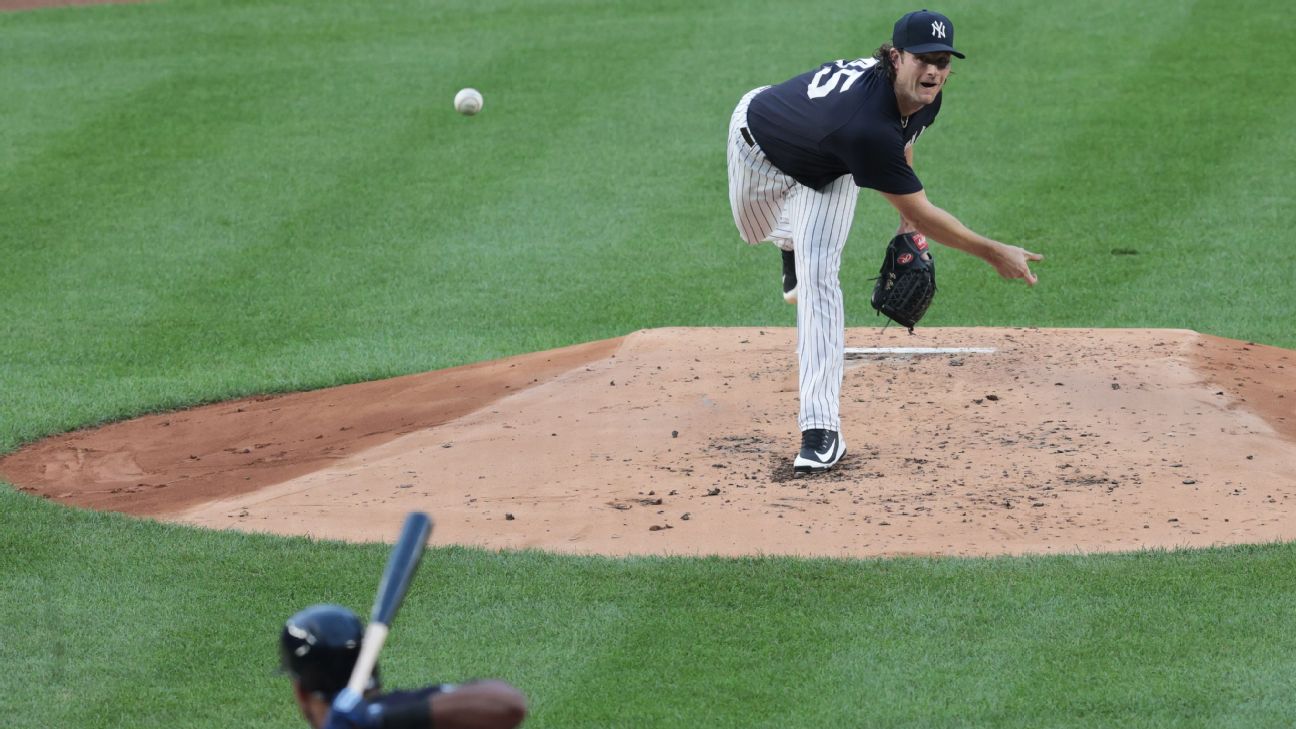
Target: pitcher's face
(919,78)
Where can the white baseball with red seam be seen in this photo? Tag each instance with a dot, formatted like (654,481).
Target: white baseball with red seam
(468,101)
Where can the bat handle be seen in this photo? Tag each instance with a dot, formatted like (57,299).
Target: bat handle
(374,636)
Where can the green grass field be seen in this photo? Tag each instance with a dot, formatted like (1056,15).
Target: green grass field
(203,200)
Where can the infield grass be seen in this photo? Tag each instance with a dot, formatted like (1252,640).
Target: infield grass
(139,624)
(203,200)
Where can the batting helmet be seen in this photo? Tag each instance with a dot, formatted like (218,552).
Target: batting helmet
(319,646)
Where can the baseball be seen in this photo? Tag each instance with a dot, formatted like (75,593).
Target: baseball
(468,101)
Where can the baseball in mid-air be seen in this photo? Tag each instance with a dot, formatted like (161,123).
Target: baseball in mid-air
(468,101)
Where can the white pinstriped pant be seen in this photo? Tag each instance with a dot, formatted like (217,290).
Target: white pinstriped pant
(768,205)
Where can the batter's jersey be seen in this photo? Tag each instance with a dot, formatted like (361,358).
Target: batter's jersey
(401,699)
(841,118)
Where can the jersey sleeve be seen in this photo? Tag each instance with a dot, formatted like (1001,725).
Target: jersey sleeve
(408,709)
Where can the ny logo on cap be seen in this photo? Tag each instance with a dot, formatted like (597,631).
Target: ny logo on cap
(938,29)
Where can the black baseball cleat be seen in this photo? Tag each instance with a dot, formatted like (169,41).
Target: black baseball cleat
(789,277)
(820,451)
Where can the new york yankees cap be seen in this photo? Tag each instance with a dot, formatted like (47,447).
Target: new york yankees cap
(923,31)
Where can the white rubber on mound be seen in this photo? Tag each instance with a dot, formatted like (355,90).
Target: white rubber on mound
(916,351)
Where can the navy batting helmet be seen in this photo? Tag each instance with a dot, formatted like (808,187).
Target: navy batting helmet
(319,646)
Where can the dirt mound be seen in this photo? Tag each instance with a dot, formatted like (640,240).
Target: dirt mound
(161,464)
(678,441)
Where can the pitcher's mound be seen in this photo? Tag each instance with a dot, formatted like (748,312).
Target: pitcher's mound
(679,441)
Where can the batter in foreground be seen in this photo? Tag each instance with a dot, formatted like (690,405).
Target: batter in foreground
(319,646)
(799,151)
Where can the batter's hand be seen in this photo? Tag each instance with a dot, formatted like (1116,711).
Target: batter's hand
(1014,262)
(350,711)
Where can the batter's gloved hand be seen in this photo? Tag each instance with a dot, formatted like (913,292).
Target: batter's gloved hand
(907,282)
(351,711)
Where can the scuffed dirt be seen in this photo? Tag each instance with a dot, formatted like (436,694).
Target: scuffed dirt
(160,464)
(679,441)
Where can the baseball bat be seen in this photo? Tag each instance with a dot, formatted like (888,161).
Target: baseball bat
(401,564)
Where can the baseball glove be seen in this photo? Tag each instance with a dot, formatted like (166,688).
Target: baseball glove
(907,282)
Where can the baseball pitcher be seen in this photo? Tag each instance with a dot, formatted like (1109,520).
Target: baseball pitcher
(798,154)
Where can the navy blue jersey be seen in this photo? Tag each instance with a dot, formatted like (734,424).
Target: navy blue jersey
(401,705)
(841,118)
(400,697)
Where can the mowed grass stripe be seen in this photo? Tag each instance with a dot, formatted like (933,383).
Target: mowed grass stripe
(138,640)
(571,612)
(169,218)
(1064,641)
(1185,185)
(1000,642)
